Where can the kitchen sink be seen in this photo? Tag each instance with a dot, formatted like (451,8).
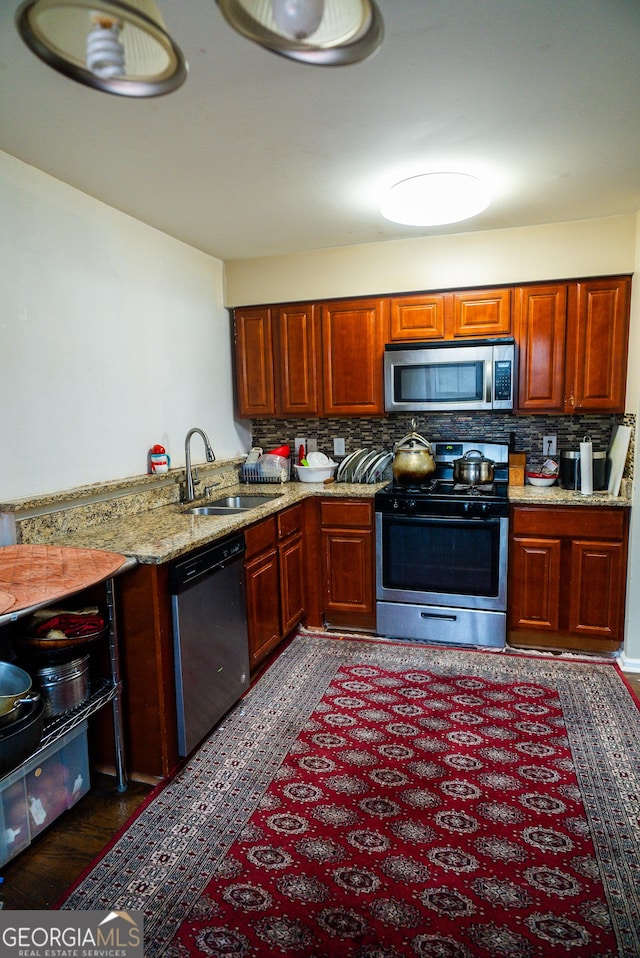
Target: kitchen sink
(229,505)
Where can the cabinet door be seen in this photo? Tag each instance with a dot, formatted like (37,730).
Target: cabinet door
(535,583)
(348,570)
(482,313)
(597,588)
(298,354)
(263,604)
(541,317)
(254,362)
(291,554)
(418,317)
(353,337)
(601,327)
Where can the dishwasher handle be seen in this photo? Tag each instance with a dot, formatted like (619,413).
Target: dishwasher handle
(196,565)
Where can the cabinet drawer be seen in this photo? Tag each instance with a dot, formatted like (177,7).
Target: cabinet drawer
(605,523)
(260,537)
(290,521)
(352,514)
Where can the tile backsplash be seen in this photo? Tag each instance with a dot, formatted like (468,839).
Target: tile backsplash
(382,433)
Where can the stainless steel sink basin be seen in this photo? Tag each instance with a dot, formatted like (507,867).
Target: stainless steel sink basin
(241,502)
(229,505)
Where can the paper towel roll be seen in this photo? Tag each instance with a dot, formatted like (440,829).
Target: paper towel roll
(586,468)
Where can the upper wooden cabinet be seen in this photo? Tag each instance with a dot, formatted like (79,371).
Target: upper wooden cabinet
(277,361)
(541,322)
(326,359)
(461,314)
(418,317)
(255,386)
(572,340)
(297,359)
(598,341)
(353,337)
(310,360)
(485,312)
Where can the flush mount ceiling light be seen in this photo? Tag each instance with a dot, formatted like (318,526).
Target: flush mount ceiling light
(111,45)
(434,199)
(320,32)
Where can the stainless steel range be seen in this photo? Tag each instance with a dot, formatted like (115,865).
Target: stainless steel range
(441,554)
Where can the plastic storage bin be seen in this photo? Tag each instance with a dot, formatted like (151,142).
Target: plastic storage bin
(34,795)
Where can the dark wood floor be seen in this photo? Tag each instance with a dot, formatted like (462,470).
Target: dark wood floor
(40,875)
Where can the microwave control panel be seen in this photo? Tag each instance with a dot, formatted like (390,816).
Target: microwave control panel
(502,386)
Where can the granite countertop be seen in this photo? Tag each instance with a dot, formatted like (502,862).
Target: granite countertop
(167,532)
(555,496)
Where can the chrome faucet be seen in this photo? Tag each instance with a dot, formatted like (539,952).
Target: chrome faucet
(191,482)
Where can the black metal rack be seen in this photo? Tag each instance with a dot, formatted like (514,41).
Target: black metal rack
(103,691)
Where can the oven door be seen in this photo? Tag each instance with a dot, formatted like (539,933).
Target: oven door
(461,563)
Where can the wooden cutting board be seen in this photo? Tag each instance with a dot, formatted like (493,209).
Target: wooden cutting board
(31,575)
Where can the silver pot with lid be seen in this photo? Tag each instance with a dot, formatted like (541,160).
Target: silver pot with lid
(413,462)
(473,469)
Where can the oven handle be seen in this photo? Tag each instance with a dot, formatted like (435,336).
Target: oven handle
(438,615)
(452,520)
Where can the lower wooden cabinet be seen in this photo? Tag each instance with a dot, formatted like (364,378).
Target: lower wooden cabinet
(347,547)
(274,573)
(567,577)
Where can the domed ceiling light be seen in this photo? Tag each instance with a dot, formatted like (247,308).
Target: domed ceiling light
(117,46)
(320,32)
(434,199)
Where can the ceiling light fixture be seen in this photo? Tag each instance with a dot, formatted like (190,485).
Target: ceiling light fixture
(434,199)
(117,46)
(319,32)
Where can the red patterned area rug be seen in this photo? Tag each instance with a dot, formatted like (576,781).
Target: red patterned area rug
(382,800)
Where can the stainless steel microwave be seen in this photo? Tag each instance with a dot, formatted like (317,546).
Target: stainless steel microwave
(449,376)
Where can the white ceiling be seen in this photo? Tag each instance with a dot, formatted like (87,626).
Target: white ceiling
(258,155)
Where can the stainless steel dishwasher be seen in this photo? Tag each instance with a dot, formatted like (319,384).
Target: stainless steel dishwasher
(210,637)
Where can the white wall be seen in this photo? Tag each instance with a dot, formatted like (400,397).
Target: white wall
(113,336)
(555,251)
(632,620)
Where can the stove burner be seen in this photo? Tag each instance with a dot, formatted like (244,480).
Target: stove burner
(486,489)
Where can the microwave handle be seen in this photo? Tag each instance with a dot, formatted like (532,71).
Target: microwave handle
(488,382)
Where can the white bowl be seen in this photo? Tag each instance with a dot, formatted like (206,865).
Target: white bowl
(315,473)
(538,480)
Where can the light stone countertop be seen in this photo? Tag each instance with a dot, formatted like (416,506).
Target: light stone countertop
(167,531)
(555,496)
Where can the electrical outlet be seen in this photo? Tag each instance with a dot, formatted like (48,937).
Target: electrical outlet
(312,445)
(338,447)
(549,445)
(300,442)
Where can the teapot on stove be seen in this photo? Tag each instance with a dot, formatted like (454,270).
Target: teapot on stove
(413,462)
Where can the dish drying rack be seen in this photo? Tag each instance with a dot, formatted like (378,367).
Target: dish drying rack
(267,468)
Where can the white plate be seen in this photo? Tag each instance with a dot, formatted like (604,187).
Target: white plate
(376,472)
(364,464)
(354,465)
(346,464)
(317,459)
